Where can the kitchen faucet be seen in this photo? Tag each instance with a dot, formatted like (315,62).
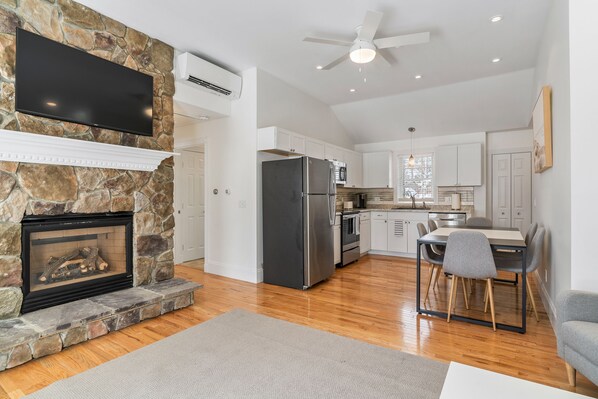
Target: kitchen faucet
(412,196)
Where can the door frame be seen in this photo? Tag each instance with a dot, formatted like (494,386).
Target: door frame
(189,146)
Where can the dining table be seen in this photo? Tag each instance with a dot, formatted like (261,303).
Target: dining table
(500,238)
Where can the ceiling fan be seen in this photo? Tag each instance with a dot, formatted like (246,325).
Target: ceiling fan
(365,48)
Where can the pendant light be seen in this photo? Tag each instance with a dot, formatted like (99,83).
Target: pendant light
(411,161)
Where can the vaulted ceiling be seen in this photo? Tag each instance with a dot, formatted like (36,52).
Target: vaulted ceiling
(267,34)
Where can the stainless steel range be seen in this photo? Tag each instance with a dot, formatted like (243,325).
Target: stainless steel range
(350,237)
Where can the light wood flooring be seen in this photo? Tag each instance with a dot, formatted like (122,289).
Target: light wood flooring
(371,300)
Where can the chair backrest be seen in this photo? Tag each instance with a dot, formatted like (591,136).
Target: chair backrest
(468,254)
(478,222)
(529,236)
(427,252)
(432,225)
(535,250)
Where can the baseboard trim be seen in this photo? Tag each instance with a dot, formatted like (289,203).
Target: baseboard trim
(546,300)
(237,272)
(387,253)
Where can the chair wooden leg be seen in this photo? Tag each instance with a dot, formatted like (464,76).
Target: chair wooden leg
(571,374)
(455,292)
(429,282)
(465,293)
(438,272)
(486,299)
(491,298)
(450,304)
(531,297)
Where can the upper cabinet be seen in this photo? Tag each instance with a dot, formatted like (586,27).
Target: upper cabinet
(377,169)
(459,165)
(334,153)
(354,161)
(315,148)
(277,140)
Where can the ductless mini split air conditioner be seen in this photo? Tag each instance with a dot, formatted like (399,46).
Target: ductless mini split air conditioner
(203,75)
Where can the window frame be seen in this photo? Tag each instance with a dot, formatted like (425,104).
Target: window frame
(399,191)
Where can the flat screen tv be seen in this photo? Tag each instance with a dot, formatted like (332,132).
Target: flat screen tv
(57,81)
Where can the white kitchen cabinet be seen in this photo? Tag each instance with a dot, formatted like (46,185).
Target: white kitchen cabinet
(397,232)
(377,169)
(281,141)
(354,161)
(334,153)
(337,239)
(459,165)
(315,148)
(365,228)
(379,234)
(412,219)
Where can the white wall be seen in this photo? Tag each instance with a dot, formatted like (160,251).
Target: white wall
(584,141)
(551,190)
(504,142)
(428,145)
(280,104)
(231,219)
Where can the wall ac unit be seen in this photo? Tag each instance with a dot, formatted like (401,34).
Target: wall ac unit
(201,74)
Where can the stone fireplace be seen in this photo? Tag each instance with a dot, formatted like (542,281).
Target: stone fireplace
(75,256)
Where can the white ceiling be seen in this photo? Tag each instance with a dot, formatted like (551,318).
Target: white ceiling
(240,34)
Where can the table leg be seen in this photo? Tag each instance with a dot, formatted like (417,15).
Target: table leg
(523,290)
(418,277)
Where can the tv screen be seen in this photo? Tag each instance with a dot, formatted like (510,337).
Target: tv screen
(56,81)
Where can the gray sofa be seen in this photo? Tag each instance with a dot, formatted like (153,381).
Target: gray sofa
(577,333)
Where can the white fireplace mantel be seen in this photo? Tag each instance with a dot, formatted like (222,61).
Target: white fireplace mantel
(16,146)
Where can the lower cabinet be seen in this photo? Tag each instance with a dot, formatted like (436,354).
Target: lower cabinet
(365,227)
(396,231)
(337,239)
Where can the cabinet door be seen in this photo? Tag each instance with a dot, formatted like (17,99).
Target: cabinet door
(413,233)
(297,144)
(397,235)
(379,241)
(315,149)
(445,160)
(334,153)
(469,165)
(377,169)
(337,244)
(354,163)
(365,238)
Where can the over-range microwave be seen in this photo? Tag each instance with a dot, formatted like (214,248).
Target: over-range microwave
(340,172)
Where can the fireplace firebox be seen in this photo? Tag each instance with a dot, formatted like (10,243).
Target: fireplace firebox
(75,256)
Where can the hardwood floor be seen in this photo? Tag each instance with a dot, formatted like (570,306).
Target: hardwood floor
(371,300)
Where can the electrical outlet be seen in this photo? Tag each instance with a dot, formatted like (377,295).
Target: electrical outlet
(242,204)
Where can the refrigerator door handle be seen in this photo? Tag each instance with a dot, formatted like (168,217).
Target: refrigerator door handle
(331,196)
(357,225)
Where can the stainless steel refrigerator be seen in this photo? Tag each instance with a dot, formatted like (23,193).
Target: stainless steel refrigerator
(298,197)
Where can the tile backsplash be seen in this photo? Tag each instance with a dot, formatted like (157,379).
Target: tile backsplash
(444,195)
(385,196)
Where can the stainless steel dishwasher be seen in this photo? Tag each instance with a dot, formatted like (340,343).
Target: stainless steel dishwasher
(448,219)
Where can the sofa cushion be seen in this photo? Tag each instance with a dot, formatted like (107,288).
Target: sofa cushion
(582,336)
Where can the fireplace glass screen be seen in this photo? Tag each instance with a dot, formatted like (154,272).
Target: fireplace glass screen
(67,256)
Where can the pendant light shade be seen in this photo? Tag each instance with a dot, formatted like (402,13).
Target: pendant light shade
(411,161)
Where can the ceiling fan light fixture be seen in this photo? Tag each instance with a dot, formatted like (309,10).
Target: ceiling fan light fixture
(362,52)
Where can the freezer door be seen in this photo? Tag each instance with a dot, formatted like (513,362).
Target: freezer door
(319,251)
(318,176)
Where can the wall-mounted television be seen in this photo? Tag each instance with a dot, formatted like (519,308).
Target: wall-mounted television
(60,82)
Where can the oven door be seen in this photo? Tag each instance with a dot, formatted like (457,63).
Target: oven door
(350,231)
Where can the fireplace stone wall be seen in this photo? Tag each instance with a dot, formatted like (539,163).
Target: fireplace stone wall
(36,189)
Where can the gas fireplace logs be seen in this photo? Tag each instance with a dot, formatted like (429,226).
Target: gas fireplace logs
(75,264)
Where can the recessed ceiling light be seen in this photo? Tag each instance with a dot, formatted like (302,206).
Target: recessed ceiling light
(496,18)
(495,60)
(51,104)
(319,67)
(418,76)
(204,118)
(352,90)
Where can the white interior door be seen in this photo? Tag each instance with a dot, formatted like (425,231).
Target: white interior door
(521,191)
(501,190)
(190,207)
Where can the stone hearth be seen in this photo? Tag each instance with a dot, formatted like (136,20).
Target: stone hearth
(48,331)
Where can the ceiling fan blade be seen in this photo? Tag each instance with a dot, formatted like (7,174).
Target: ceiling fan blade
(323,40)
(370,25)
(403,40)
(384,58)
(336,62)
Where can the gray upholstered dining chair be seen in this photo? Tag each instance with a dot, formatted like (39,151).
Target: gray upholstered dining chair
(434,259)
(438,249)
(468,255)
(477,221)
(533,260)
